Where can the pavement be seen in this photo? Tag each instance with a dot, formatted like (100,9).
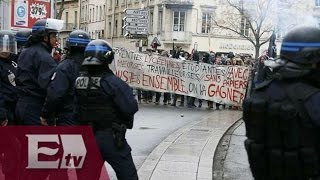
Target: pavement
(230,160)
(203,150)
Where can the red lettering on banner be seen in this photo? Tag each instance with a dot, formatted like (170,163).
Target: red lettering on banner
(225,93)
(128,77)
(238,84)
(145,80)
(164,81)
(157,81)
(176,84)
(238,72)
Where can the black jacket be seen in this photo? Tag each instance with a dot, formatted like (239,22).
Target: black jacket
(35,69)
(61,97)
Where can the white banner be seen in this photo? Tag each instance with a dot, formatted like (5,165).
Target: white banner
(219,83)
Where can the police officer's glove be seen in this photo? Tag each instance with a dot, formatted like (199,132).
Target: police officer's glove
(47,122)
(119,133)
(4,122)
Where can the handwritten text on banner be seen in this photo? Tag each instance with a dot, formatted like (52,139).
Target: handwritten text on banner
(222,84)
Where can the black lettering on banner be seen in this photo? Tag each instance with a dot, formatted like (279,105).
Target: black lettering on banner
(193,88)
(203,90)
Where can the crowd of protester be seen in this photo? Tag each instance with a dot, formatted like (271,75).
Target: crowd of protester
(229,59)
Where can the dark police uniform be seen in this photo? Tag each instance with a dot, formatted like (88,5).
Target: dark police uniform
(8,90)
(282,114)
(61,100)
(283,131)
(35,69)
(61,97)
(109,104)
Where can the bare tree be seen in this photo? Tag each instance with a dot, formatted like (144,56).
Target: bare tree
(61,9)
(247,19)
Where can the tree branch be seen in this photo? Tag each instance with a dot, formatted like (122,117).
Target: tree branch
(59,15)
(235,31)
(263,42)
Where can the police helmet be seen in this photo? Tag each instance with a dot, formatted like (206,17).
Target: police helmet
(301,46)
(22,37)
(98,52)
(78,38)
(8,42)
(43,27)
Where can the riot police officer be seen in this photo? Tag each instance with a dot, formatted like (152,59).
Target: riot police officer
(282,114)
(22,37)
(8,90)
(60,100)
(109,104)
(35,68)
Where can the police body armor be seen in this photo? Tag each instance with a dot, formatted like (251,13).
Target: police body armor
(96,108)
(282,143)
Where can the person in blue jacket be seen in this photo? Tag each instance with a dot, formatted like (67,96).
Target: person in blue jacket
(108,104)
(8,90)
(61,98)
(35,69)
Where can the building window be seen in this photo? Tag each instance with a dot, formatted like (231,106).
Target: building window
(102,34)
(206,22)
(82,14)
(75,19)
(244,26)
(109,34)
(115,30)
(67,18)
(93,14)
(90,15)
(117,2)
(104,12)
(151,23)
(317,3)
(97,13)
(101,14)
(160,21)
(85,15)
(178,20)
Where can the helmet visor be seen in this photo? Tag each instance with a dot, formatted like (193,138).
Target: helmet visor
(91,61)
(8,44)
(54,24)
